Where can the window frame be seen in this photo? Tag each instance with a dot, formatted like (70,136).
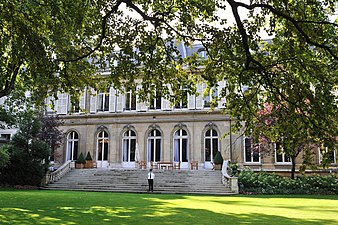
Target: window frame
(285,160)
(251,162)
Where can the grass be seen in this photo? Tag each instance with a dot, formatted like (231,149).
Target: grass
(68,207)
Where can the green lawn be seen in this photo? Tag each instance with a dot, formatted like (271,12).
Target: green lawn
(62,207)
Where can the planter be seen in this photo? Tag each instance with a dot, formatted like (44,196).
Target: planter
(218,166)
(79,165)
(89,164)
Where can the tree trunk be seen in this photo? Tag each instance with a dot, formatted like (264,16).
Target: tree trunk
(293,168)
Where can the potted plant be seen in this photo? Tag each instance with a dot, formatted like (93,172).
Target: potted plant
(218,161)
(89,161)
(80,162)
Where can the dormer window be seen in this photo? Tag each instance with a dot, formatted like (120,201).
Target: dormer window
(202,53)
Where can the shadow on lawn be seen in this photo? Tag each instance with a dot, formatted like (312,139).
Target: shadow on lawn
(125,209)
(117,215)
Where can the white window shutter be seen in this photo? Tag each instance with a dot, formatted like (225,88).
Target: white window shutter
(221,101)
(140,106)
(82,102)
(199,98)
(62,104)
(112,99)
(2,100)
(120,102)
(191,101)
(166,102)
(49,105)
(93,101)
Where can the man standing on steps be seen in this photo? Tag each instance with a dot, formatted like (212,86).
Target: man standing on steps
(151,177)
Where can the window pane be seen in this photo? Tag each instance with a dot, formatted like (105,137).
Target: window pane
(132,149)
(158,102)
(100,102)
(158,133)
(106,102)
(105,153)
(214,133)
(158,150)
(105,134)
(184,150)
(75,150)
(248,149)
(214,147)
(133,102)
(125,149)
(152,149)
(99,151)
(128,107)
(207,148)
(255,156)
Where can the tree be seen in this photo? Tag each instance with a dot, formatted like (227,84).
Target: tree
(28,154)
(50,132)
(4,158)
(61,44)
(284,125)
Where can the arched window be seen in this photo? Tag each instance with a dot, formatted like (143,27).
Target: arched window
(129,146)
(181,146)
(102,146)
(210,145)
(72,145)
(154,145)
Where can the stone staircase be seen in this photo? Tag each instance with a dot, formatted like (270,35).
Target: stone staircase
(135,180)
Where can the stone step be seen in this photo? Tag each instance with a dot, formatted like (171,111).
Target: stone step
(133,180)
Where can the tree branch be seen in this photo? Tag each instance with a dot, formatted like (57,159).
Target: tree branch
(9,85)
(288,18)
(102,35)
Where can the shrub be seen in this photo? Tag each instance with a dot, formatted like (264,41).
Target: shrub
(264,183)
(88,157)
(81,159)
(218,158)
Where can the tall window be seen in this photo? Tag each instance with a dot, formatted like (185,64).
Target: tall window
(155,103)
(103,101)
(280,155)
(72,145)
(251,153)
(75,106)
(183,103)
(331,156)
(181,146)
(154,145)
(129,146)
(213,93)
(210,145)
(102,146)
(130,100)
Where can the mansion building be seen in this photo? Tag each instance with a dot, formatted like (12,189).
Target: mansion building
(119,131)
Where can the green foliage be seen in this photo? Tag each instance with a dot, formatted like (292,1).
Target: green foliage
(88,156)
(4,157)
(234,168)
(266,183)
(28,154)
(218,158)
(81,159)
(63,44)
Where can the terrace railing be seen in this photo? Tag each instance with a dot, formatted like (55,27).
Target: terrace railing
(227,180)
(59,173)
